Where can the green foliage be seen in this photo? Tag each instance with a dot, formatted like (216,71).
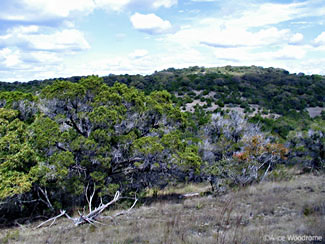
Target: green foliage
(65,91)
(7,115)
(8,99)
(24,103)
(43,133)
(284,124)
(148,145)
(274,89)
(104,134)
(90,134)
(17,157)
(189,159)
(308,147)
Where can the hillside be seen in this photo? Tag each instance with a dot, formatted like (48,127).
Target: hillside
(71,145)
(252,215)
(277,100)
(270,88)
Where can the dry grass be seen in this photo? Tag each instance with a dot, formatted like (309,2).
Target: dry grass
(295,207)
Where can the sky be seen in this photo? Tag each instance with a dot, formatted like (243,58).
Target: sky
(42,39)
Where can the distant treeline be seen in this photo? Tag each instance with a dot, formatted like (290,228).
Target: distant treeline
(273,89)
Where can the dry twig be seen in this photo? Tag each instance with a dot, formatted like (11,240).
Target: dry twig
(93,215)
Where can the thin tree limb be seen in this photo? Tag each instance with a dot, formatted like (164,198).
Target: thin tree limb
(51,219)
(267,170)
(47,202)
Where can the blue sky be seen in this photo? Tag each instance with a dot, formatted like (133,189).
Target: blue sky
(60,38)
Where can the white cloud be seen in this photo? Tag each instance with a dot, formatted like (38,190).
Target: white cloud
(230,36)
(233,37)
(68,24)
(320,39)
(181,57)
(43,57)
(309,66)
(286,57)
(253,26)
(234,32)
(145,64)
(119,5)
(28,54)
(114,64)
(24,66)
(164,3)
(116,5)
(250,55)
(289,52)
(61,8)
(138,53)
(233,54)
(9,58)
(252,13)
(203,0)
(296,39)
(24,29)
(267,14)
(69,39)
(40,10)
(29,37)
(249,37)
(150,23)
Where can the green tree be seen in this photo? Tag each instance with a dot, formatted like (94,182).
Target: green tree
(17,157)
(113,136)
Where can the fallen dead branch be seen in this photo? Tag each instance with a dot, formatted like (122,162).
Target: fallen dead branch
(93,215)
(51,219)
(122,212)
(190,195)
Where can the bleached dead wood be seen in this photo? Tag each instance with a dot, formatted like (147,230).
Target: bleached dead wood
(51,219)
(190,195)
(47,202)
(91,197)
(93,215)
(123,212)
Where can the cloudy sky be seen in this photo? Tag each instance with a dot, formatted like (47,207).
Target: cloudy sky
(61,38)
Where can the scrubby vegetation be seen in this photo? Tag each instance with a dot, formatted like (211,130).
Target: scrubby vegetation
(88,134)
(249,215)
(261,93)
(61,140)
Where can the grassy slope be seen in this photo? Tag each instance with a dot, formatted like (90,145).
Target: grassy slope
(244,216)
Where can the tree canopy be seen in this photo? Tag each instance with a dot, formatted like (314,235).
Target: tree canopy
(88,134)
